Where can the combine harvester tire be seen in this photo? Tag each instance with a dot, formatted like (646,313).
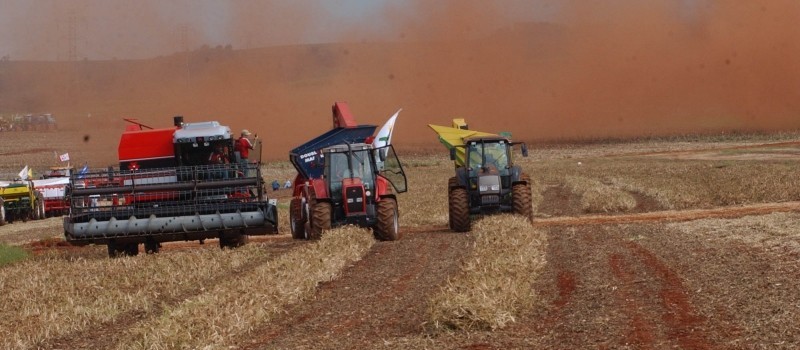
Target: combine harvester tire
(232,240)
(2,213)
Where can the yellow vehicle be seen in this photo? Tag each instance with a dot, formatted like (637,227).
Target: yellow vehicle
(20,201)
(486,179)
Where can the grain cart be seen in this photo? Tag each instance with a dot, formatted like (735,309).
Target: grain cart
(166,190)
(20,201)
(486,179)
(342,179)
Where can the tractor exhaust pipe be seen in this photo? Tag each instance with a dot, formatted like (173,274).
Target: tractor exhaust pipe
(178,120)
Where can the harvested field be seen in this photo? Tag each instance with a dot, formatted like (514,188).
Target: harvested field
(627,251)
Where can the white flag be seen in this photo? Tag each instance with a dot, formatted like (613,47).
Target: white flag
(384,136)
(23,175)
(64,157)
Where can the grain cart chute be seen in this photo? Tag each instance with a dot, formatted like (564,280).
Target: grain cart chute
(166,190)
(486,179)
(340,181)
(20,200)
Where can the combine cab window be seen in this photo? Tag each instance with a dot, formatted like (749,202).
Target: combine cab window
(198,156)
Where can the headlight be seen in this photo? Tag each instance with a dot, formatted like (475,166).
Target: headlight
(495,187)
(484,188)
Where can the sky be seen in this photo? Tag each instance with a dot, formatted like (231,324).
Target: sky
(114,29)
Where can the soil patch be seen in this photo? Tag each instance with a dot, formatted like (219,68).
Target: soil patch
(382,296)
(559,201)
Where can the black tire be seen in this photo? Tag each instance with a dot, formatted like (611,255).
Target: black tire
(2,213)
(297,221)
(320,219)
(131,249)
(521,199)
(233,240)
(152,247)
(458,204)
(387,228)
(40,206)
(118,250)
(35,210)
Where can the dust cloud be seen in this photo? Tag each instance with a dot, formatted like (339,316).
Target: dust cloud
(620,68)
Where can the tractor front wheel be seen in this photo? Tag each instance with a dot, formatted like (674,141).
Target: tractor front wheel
(320,219)
(459,210)
(521,200)
(297,222)
(387,227)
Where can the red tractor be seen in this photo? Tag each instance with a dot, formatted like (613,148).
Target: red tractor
(342,179)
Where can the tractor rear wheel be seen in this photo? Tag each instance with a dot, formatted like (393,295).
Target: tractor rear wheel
(320,219)
(297,222)
(521,200)
(459,210)
(387,227)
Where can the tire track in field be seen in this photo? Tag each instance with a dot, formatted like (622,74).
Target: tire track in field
(670,215)
(382,296)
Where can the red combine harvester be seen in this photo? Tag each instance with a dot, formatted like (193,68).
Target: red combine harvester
(342,179)
(166,190)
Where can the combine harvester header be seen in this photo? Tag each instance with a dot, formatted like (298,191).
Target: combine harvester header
(167,189)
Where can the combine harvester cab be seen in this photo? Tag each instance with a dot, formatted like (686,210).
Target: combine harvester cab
(165,190)
(486,180)
(342,178)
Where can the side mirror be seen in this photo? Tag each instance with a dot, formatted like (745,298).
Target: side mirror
(382,154)
(452,154)
(524,150)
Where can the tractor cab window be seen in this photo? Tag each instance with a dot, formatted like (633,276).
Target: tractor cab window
(339,168)
(489,155)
